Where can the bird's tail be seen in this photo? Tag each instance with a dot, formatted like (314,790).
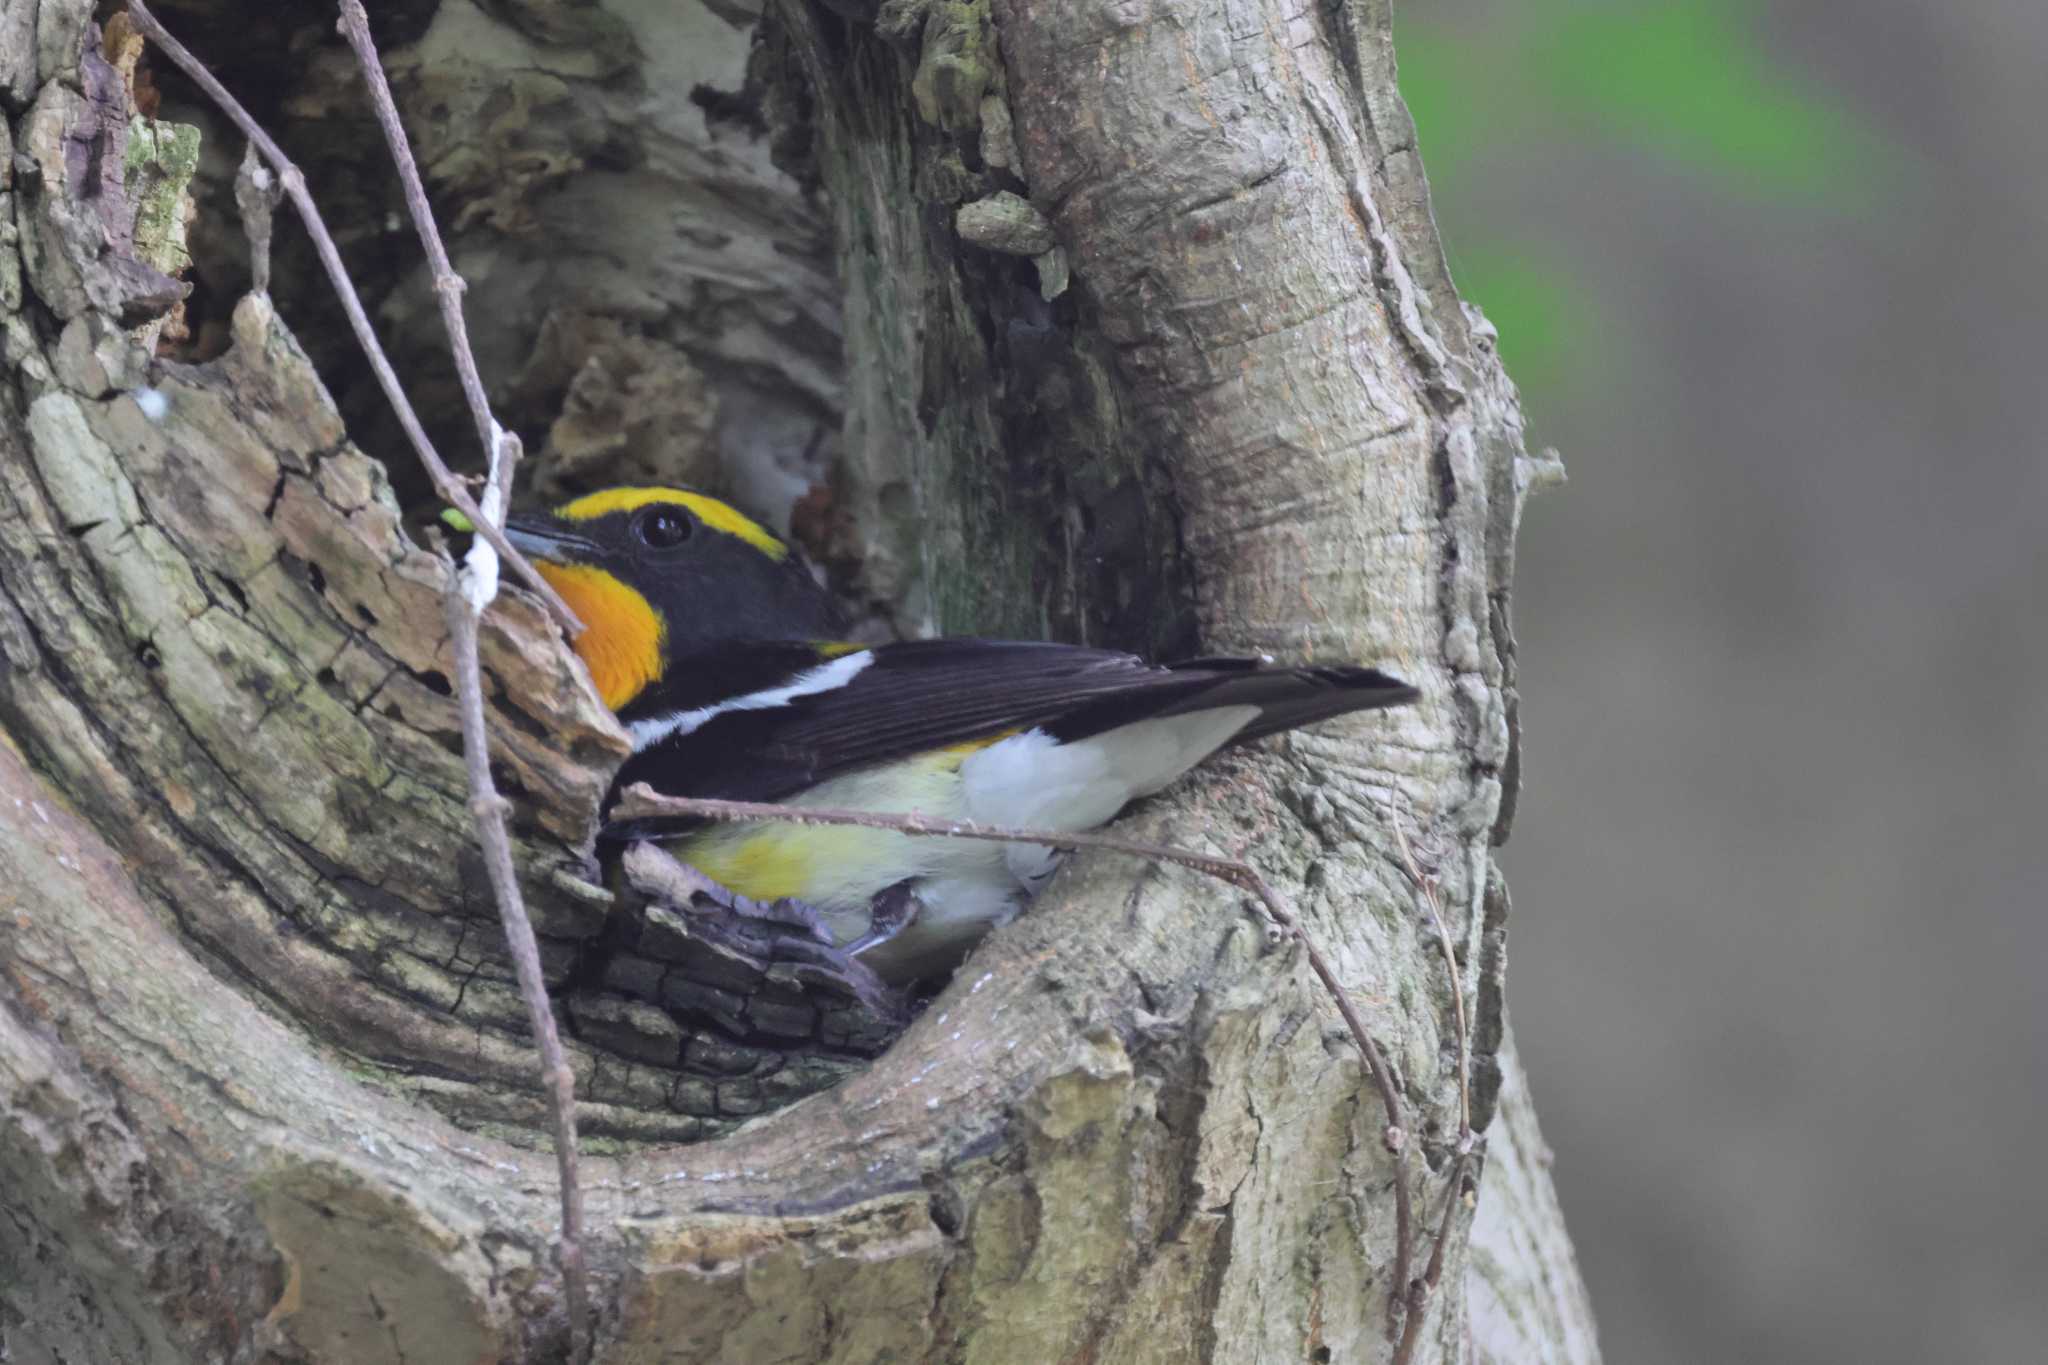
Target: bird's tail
(1290,696)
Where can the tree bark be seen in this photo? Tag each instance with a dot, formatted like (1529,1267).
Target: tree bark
(1148,341)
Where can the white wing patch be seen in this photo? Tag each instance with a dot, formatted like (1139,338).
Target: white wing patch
(654,729)
(1034,781)
(965,885)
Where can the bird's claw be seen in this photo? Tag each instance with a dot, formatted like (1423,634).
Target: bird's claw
(892,911)
(659,872)
(783,936)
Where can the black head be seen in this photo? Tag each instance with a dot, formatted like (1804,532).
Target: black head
(658,575)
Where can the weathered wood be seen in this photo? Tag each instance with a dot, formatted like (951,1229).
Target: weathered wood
(266,1083)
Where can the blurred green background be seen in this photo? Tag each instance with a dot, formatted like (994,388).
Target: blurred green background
(1771,277)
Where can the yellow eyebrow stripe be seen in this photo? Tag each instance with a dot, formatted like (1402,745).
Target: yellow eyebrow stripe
(713,513)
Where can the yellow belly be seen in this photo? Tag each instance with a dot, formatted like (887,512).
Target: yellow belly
(837,867)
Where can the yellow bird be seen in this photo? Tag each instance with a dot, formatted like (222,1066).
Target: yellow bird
(717,649)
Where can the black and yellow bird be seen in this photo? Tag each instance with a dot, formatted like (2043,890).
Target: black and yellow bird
(718,651)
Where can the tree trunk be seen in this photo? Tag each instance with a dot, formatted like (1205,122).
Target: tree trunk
(1148,341)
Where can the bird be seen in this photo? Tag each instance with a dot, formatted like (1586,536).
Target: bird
(724,659)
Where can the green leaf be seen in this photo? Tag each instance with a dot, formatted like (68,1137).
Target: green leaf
(1691,79)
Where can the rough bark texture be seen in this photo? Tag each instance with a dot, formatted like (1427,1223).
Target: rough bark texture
(1145,320)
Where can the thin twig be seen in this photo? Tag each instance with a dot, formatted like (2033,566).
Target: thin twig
(470,588)
(469,591)
(489,810)
(1426,886)
(641,801)
(1418,1294)
(446,484)
(448,286)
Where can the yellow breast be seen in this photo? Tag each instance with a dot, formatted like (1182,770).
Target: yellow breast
(836,867)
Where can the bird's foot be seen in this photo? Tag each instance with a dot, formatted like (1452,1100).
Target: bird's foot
(894,909)
(656,871)
(782,941)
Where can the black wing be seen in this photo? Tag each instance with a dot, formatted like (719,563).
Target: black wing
(929,694)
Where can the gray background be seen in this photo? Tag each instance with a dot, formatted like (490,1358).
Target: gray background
(1778,937)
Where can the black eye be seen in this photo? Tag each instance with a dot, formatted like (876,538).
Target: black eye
(661,527)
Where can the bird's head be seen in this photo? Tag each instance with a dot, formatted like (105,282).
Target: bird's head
(659,575)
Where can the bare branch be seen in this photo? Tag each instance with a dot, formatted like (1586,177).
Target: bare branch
(1418,1294)
(446,483)
(489,809)
(1426,888)
(641,801)
(448,286)
(470,588)
(470,591)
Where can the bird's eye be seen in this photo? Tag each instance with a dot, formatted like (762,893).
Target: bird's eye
(661,527)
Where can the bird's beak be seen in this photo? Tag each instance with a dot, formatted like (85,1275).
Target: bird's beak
(545,538)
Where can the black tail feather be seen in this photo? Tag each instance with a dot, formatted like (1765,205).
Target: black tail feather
(1289,698)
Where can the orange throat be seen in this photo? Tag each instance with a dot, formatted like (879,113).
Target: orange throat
(623,635)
